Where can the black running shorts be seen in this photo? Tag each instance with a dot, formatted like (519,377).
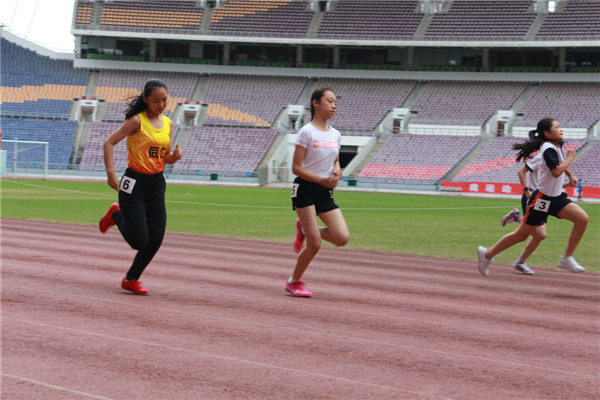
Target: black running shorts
(305,193)
(540,206)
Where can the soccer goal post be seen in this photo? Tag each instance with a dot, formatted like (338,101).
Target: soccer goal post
(26,156)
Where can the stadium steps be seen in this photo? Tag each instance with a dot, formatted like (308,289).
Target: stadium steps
(78,145)
(181,137)
(198,94)
(90,90)
(274,146)
(523,97)
(467,159)
(424,24)
(585,148)
(206,17)
(535,26)
(378,144)
(414,94)
(313,27)
(96,14)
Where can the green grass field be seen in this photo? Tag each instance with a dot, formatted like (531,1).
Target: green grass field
(440,226)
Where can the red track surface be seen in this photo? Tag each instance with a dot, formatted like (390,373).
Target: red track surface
(218,325)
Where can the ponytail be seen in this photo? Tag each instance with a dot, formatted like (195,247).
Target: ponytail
(535,141)
(137,104)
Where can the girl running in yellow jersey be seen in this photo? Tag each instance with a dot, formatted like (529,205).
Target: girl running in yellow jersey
(140,213)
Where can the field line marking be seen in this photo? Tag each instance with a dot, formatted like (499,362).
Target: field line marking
(266,207)
(64,389)
(225,358)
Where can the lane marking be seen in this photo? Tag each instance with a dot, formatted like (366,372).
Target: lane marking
(228,358)
(61,388)
(357,339)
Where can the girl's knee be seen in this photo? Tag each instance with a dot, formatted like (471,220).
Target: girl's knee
(520,236)
(539,235)
(341,240)
(313,244)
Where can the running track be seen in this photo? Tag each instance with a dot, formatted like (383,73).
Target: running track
(217,324)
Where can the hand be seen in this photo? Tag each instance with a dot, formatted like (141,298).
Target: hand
(571,153)
(527,193)
(330,182)
(178,152)
(113,181)
(337,173)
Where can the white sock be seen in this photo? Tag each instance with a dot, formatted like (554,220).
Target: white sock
(291,280)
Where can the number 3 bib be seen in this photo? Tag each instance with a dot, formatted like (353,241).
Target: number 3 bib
(542,205)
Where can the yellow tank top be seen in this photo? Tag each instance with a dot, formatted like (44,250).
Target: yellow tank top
(147,147)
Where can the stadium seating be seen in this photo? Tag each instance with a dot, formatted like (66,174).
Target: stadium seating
(230,151)
(115,87)
(83,19)
(59,134)
(246,100)
(482,19)
(92,158)
(417,159)
(362,103)
(497,161)
(371,20)
(578,20)
(181,16)
(34,85)
(573,104)
(463,103)
(281,18)
(586,166)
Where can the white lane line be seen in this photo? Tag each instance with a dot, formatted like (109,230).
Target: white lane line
(227,358)
(61,388)
(351,338)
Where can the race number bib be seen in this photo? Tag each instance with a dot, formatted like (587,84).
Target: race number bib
(127,185)
(295,190)
(542,205)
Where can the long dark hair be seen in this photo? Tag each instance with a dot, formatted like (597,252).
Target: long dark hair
(137,104)
(317,95)
(535,141)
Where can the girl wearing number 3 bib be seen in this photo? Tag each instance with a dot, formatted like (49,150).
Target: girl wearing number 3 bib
(547,199)
(317,167)
(140,214)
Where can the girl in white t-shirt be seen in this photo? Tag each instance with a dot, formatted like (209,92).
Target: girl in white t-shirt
(548,197)
(316,164)
(528,177)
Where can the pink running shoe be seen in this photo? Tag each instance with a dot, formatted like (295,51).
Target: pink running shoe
(298,243)
(297,289)
(107,219)
(513,216)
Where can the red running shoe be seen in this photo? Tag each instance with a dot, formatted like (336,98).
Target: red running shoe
(107,219)
(134,286)
(298,243)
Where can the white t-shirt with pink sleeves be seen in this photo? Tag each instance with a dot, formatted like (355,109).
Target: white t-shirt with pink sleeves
(322,149)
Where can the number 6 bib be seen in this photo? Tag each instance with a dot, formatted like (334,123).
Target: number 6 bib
(127,184)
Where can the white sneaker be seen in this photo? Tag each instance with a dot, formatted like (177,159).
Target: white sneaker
(483,263)
(524,268)
(569,264)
